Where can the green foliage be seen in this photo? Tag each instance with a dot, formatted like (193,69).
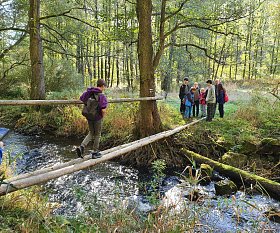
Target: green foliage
(120,120)
(152,187)
(59,76)
(169,113)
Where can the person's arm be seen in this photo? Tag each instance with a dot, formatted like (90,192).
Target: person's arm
(181,92)
(103,103)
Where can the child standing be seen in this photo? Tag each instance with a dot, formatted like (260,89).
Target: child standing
(202,101)
(189,101)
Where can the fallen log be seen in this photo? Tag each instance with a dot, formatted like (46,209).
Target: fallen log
(269,187)
(44,177)
(56,102)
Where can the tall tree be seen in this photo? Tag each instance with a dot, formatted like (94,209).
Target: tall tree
(149,120)
(36,52)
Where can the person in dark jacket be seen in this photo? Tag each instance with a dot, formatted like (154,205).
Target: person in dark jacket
(217,82)
(96,124)
(184,89)
(196,100)
(221,99)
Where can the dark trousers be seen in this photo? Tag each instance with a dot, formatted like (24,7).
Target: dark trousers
(215,109)
(196,108)
(94,134)
(210,111)
(221,110)
(182,107)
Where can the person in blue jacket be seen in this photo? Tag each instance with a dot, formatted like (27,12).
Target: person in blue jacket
(1,151)
(189,102)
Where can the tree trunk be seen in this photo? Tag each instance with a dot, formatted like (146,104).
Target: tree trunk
(167,80)
(236,58)
(36,52)
(149,119)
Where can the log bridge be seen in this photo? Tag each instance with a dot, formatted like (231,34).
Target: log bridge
(45,174)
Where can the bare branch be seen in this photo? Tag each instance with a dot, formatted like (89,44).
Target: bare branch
(75,56)
(61,14)
(57,32)
(209,28)
(5,51)
(12,66)
(177,11)
(13,29)
(198,47)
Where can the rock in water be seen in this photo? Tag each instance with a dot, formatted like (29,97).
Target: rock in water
(225,187)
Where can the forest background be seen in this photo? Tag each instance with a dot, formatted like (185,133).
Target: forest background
(78,42)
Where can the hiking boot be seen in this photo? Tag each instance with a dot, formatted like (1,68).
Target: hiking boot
(96,155)
(80,151)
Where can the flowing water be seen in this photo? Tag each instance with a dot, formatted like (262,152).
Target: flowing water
(111,182)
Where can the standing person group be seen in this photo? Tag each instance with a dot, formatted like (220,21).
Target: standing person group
(205,99)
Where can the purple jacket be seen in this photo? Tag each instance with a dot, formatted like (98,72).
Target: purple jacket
(102,99)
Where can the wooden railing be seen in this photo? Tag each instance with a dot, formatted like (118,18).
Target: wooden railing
(57,102)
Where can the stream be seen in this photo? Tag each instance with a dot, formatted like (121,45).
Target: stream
(110,182)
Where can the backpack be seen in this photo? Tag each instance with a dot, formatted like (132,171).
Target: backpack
(226,97)
(91,107)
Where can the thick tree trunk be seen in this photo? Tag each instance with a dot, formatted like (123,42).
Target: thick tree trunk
(149,119)
(36,52)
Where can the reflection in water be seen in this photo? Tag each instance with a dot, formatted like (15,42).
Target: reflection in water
(111,182)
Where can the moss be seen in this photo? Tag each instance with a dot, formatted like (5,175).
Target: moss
(234,159)
(225,187)
(206,170)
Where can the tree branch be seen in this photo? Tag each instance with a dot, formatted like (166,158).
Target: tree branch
(57,32)
(209,28)
(75,56)
(62,13)
(5,74)
(5,51)
(177,11)
(198,47)
(161,35)
(13,29)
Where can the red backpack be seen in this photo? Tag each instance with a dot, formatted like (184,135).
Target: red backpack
(226,97)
